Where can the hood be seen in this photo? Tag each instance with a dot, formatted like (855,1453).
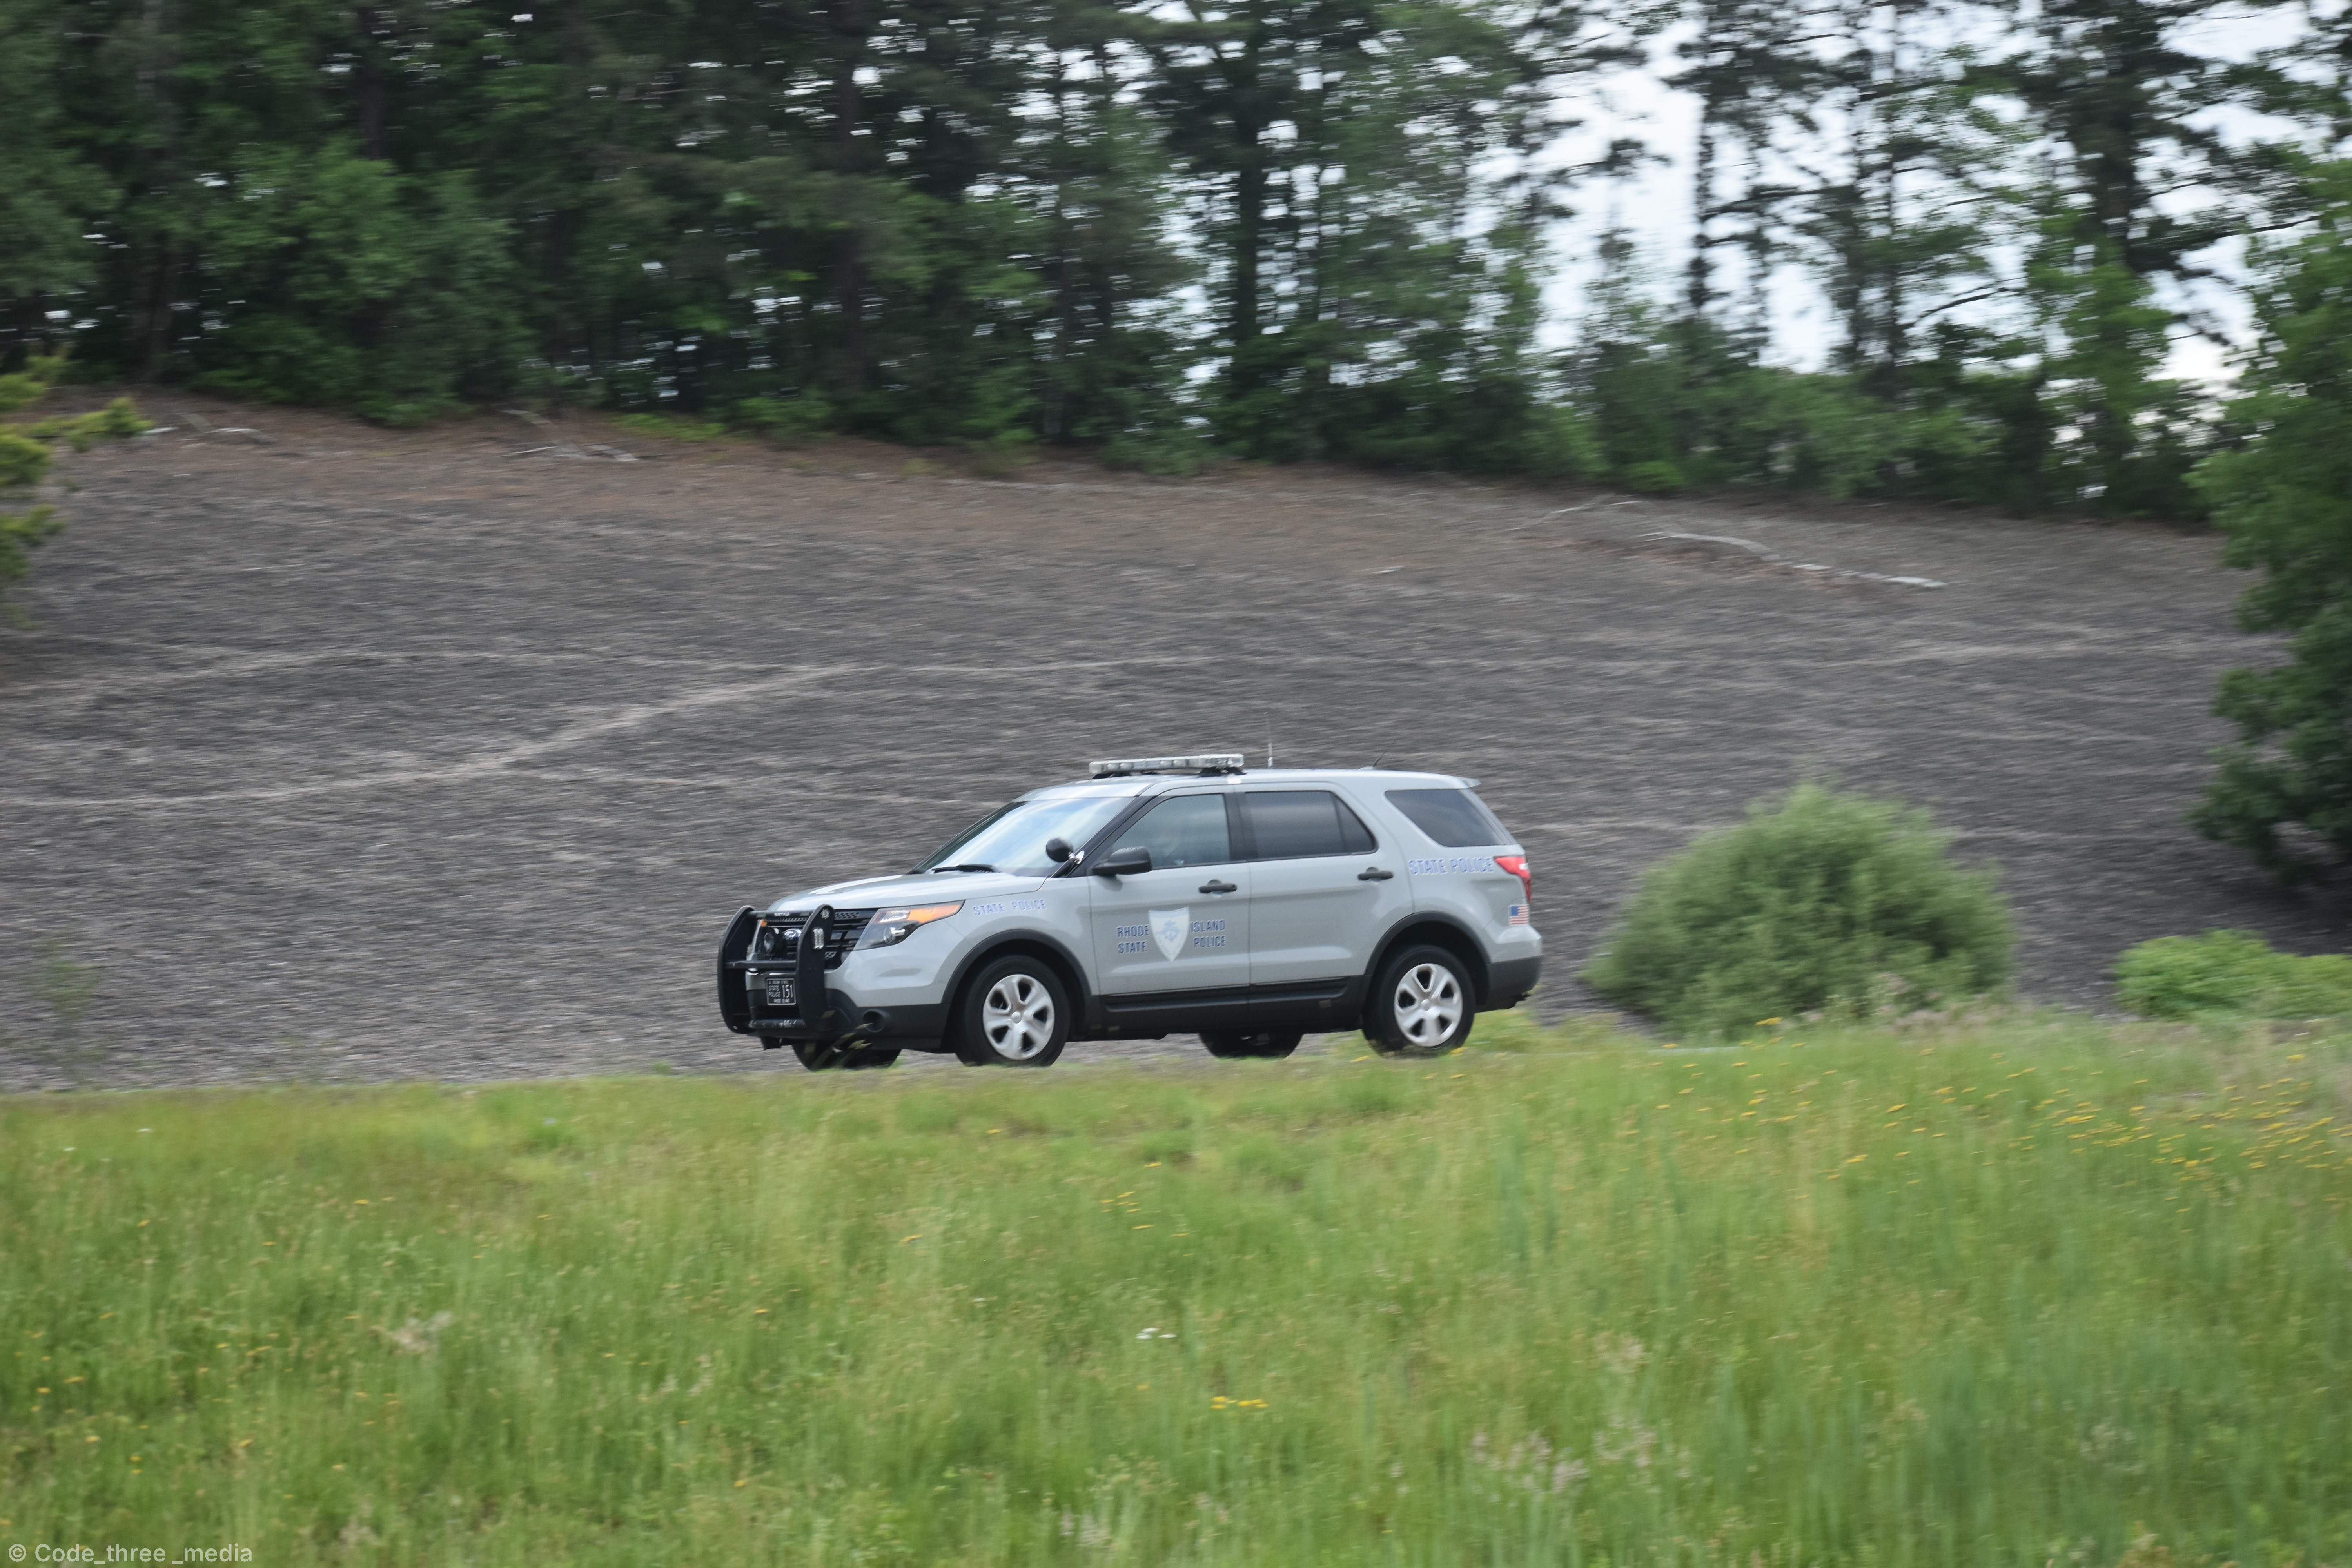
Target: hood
(879,892)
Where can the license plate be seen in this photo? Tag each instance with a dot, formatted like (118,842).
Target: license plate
(782,991)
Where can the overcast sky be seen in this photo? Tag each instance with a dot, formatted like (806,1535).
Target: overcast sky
(1654,205)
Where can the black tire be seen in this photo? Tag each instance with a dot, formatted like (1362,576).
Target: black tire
(1422,1005)
(1237,1045)
(1016,1013)
(843,1058)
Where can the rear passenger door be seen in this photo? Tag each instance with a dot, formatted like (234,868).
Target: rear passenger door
(1322,889)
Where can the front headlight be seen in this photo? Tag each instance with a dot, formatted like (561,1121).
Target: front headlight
(888,926)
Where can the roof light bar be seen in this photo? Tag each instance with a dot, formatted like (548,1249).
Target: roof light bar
(1200,762)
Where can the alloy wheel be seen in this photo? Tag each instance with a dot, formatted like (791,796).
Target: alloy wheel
(1017,1017)
(1428,1004)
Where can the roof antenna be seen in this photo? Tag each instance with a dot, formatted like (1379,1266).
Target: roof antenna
(1269,740)
(1376,762)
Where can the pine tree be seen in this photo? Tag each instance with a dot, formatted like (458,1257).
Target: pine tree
(2284,791)
(2127,106)
(24,454)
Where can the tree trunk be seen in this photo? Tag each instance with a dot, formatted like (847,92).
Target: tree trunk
(1698,287)
(370,85)
(850,29)
(564,330)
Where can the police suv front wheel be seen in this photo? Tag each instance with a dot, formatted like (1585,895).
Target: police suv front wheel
(1015,1015)
(1422,1005)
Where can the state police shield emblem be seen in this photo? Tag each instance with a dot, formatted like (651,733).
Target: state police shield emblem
(1169,929)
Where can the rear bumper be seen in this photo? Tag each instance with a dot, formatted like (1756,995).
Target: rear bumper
(1509,981)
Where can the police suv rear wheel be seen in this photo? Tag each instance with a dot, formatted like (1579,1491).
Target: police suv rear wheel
(1235,1045)
(1422,1005)
(1016,1014)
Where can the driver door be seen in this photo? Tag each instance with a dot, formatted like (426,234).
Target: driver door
(1182,928)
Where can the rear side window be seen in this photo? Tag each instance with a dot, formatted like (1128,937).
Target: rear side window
(1292,823)
(1188,830)
(1452,817)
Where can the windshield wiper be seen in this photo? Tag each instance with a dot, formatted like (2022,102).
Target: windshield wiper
(967,865)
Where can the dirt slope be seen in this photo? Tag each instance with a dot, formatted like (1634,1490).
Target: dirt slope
(377,755)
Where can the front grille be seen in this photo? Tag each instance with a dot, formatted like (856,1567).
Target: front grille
(779,935)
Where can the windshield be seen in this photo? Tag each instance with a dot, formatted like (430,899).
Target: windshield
(1012,838)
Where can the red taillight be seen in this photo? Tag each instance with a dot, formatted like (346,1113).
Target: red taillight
(1517,865)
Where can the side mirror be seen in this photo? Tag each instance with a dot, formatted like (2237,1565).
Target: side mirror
(1132,861)
(1058,850)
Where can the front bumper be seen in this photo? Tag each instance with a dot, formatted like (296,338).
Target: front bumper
(777,984)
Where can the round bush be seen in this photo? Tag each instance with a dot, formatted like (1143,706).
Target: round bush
(1820,901)
(2230,973)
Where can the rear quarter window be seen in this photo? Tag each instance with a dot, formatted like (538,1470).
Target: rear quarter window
(1294,824)
(1452,817)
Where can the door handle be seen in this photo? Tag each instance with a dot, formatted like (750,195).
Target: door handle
(1219,887)
(1373,874)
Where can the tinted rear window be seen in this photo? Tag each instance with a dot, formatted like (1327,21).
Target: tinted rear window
(1452,817)
(1292,823)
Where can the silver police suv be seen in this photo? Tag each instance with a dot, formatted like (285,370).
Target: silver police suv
(1162,894)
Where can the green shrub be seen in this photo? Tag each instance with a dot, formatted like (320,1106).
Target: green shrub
(670,427)
(25,451)
(1001,456)
(1657,478)
(2230,973)
(2284,496)
(21,392)
(22,460)
(20,533)
(118,419)
(785,419)
(1170,451)
(1820,901)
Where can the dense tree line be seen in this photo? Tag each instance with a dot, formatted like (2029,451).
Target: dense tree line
(2285,496)
(1036,219)
(1278,228)
(1286,227)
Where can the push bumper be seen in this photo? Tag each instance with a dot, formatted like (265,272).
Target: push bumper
(773,982)
(927,1022)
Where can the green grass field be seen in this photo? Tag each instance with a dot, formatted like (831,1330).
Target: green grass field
(2032,1293)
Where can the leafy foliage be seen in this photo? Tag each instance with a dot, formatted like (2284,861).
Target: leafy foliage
(2230,973)
(937,225)
(2284,791)
(21,531)
(1991,201)
(1820,901)
(24,454)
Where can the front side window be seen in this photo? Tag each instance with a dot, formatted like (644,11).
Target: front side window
(1293,824)
(1014,838)
(1188,830)
(1452,817)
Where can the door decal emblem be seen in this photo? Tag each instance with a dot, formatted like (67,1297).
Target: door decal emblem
(1169,927)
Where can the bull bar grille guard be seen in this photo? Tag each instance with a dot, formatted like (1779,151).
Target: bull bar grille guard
(760,943)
